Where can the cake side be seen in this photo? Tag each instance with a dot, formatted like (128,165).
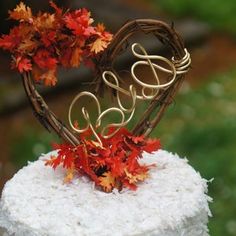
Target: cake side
(171,202)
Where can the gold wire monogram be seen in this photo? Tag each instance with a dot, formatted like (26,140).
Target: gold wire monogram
(174,68)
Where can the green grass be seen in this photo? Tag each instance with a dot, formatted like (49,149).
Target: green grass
(200,125)
(219,14)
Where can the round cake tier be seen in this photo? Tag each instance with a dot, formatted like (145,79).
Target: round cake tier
(172,202)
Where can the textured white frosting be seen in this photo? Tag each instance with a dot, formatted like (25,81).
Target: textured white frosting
(172,202)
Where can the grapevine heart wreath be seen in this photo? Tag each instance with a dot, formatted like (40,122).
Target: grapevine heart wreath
(108,155)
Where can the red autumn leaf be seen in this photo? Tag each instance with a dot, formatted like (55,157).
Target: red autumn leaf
(79,22)
(117,167)
(152,145)
(44,59)
(48,38)
(132,187)
(68,160)
(23,64)
(54,161)
(56,8)
(137,139)
(7,42)
(11,41)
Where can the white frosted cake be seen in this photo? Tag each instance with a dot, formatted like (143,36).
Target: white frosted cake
(172,202)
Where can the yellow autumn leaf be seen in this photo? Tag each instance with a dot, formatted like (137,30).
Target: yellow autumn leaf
(45,21)
(98,45)
(21,12)
(69,175)
(136,178)
(28,45)
(107,181)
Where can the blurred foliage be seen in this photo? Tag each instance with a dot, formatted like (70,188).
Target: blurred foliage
(219,14)
(201,126)
(30,145)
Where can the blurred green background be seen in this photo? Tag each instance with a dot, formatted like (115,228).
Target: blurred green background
(199,125)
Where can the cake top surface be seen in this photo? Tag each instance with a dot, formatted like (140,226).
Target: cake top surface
(35,202)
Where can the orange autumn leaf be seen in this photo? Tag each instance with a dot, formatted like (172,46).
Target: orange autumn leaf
(107,181)
(98,45)
(76,57)
(49,78)
(21,12)
(100,27)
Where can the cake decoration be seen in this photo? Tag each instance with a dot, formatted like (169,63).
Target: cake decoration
(108,154)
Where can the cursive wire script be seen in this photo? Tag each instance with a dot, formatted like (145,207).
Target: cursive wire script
(148,91)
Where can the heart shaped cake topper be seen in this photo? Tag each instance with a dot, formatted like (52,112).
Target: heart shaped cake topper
(107,154)
(161,93)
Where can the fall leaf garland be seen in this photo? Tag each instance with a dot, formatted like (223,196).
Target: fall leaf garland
(115,165)
(43,42)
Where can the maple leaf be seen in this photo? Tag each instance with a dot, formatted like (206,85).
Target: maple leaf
(107,181)
(49,77)
(44,21)
(21,13)
(23,64)
(11,41)
(44,59)
(79,22)
(100,27)
(68,160)
(27,46)
(134,178)
(98,45)
(152,145)
(48,38)
(117,167)
(53,161)
(7,42)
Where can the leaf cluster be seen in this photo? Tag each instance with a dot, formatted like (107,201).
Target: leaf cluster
(113,165)
(46,41)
